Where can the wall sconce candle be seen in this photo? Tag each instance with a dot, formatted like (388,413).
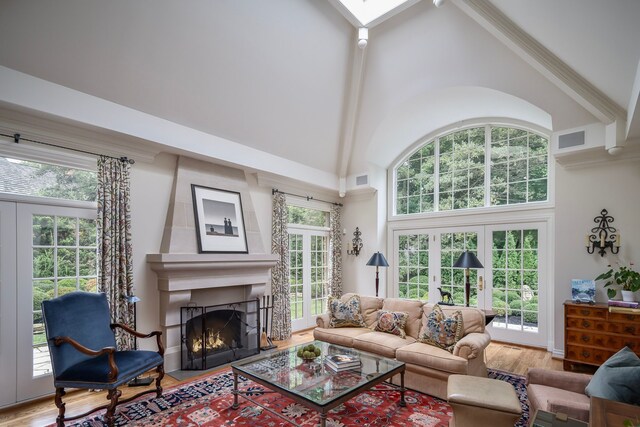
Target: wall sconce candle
(603,236)
(356,243)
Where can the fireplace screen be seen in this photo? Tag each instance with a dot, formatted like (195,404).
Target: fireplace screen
(218,334)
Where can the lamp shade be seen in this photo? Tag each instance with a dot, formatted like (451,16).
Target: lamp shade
(467,260)
(378,260)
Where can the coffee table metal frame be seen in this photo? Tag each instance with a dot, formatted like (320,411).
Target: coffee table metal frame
(322,409)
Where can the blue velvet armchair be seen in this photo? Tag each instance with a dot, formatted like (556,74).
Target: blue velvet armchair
(82,346)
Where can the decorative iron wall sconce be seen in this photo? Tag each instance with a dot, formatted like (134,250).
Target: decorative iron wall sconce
(603,236)
(356,243)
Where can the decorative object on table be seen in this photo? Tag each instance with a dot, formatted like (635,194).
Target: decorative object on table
(625,277)
(219,220)
(583,291)
(603,235)
(267,321)
(467,260)
(342,362)
(309,352)
(137,381)
(378,260)
(445,297)
(356,243)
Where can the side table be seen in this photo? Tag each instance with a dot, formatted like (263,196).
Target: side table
(548,419)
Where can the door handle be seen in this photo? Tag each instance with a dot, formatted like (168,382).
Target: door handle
(480,283)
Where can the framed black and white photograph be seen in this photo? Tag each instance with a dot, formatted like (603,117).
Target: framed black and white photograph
(219,220)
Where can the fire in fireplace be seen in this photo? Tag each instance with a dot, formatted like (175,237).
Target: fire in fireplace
(217,334)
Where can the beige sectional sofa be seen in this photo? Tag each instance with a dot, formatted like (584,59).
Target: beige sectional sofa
(427,367)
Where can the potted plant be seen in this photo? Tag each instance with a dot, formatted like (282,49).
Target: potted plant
(626,277)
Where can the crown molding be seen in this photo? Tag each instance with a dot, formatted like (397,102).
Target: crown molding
(543,60)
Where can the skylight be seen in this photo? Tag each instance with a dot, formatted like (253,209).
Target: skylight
(368,13)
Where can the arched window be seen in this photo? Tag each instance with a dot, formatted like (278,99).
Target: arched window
(476,167)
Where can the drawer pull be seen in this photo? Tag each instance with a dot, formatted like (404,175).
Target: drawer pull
(585,353)
(586,338)
(586,324)
(585,312)
(629,329)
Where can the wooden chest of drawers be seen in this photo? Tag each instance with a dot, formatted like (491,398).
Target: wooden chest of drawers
(593,334)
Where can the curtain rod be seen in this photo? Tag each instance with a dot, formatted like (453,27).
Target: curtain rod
(275,190)
(17,138)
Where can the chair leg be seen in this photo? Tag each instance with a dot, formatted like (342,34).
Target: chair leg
(59,393)
(160,371)
(113,396)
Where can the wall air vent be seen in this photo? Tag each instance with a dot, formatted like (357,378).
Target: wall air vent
(571,139)
(362,180)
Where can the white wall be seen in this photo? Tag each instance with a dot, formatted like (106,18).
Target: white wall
(581,193)
(150,192)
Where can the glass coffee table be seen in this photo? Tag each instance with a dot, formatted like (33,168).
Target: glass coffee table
(313,384)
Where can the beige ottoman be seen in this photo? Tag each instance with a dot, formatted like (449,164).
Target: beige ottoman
(481,402)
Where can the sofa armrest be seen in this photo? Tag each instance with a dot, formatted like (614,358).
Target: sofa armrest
(570,381)
(472,345)
(322,321)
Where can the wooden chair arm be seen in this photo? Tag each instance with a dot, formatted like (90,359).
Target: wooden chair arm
(110,351)
(133,332)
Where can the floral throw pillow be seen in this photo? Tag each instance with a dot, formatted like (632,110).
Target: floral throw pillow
(345,314)
(392,322)
(442,331)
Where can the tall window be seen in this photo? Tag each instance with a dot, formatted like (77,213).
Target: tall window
(308,264)
(450,172)
(413,266)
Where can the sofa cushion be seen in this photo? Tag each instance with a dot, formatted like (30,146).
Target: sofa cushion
(618,378)
(381,343)
(414,310)
(340,336)
(472,318)
(345,313)
(432,357)
(392,322)
(441,330)
(369,307)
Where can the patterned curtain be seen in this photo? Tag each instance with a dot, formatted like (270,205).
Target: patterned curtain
(280,273)
(115,277)
(335,252)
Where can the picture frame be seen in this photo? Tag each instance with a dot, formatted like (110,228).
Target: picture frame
(583,291)
(219,220)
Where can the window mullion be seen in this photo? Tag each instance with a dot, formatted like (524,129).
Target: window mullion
(436,171)
(487,165)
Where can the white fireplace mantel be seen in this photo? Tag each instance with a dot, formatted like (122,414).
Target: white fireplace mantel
(180,272)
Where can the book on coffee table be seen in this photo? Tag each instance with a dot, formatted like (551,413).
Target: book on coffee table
(340,362)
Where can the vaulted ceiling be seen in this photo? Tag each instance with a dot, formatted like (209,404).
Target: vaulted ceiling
(286,77)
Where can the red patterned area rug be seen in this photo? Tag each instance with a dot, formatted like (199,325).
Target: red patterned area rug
(207,402)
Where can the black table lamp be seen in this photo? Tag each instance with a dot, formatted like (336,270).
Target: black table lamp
(467,260)
(378,260)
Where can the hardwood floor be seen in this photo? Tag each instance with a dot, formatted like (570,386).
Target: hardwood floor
(501,356)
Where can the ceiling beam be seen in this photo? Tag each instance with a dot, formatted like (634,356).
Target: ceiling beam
(543,60)
(633,115)
(350,120)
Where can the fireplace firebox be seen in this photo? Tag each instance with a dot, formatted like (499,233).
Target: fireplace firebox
(217,334)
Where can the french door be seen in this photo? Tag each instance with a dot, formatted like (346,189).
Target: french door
(8,302)
(308,275)
(424,260)
(511,282)
(45,251)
